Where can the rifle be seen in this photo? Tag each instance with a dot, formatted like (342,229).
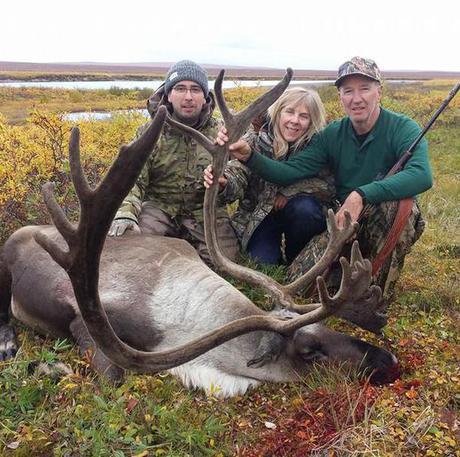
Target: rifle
(405,205)
(399,165)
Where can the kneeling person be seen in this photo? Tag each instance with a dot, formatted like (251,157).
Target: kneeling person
(167,198)
(267,212)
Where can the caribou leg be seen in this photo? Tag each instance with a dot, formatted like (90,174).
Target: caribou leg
(99,361)
(8,343)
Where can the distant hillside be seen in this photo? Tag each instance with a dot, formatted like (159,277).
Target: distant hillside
(148,69)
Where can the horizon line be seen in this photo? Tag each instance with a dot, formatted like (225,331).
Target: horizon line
(206,65)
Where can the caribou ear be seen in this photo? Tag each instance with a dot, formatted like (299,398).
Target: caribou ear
(270,347)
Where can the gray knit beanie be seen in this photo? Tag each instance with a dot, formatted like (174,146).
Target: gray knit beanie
(186,70)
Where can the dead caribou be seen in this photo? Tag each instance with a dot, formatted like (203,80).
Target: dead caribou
(126,297)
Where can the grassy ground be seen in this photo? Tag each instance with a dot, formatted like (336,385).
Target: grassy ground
(328,413)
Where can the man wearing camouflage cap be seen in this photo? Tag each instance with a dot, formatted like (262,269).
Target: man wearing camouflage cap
(359,149)
(167,198)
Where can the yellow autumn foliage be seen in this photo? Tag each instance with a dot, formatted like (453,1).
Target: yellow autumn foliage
(35,153)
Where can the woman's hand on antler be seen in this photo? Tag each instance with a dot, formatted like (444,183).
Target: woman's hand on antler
(209,179)
(239,150)
(280,202)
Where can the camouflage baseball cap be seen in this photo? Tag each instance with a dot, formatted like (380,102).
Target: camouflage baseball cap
(358,66)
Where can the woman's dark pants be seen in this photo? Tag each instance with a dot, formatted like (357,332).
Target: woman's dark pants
(300,220)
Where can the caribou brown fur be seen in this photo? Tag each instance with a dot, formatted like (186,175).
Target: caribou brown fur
(148,303)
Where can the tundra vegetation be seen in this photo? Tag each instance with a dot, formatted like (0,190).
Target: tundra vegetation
(329,412)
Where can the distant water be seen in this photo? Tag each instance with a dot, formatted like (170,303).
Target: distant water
(152,84)
(101,115)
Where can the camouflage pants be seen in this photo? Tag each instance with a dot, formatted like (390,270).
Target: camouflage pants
(371,236)
(154,221)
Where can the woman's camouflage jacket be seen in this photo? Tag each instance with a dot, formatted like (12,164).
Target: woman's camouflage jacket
(256,196)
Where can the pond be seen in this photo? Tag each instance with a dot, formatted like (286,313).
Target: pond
(101,115)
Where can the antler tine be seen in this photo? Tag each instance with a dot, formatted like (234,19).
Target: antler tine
(362,303)
(63,225)
(244,118)
(195,134)
(338,238)
(356,255)
(227,116)
(66,229)
(351,275)
(80,183)
(238,124)
(60,256)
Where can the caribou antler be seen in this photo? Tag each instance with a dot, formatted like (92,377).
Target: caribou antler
(98,207)
(364,296)
(85,242)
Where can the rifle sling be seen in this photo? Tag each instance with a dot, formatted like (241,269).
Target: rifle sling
(402,215)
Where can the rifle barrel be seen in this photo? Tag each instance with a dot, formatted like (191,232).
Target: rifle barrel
(406,156)
(443,106)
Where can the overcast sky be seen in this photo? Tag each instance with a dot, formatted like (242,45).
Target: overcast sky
(318,34)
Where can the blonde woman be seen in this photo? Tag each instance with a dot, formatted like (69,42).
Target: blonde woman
(266,212)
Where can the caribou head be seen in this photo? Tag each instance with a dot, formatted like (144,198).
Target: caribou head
(148,303)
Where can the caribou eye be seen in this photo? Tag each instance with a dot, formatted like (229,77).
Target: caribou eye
(313,355)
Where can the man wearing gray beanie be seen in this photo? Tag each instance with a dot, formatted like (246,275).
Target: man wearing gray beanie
(167,199)
(186,86)
(187,70)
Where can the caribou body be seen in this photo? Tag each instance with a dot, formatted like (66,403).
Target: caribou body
(148,303)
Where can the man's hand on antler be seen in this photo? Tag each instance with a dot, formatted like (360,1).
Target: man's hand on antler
(354,205)
(239,150)
(209,179)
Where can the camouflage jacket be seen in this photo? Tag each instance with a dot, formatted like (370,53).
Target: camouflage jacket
(256,196)
(172,177)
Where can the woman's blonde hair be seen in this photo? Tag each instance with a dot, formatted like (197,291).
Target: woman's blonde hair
(297,96)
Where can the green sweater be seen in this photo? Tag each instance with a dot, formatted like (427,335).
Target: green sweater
(356,166)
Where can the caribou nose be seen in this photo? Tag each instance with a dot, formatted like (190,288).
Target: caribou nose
(384,368)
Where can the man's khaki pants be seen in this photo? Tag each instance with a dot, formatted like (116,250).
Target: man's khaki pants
(154,221)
